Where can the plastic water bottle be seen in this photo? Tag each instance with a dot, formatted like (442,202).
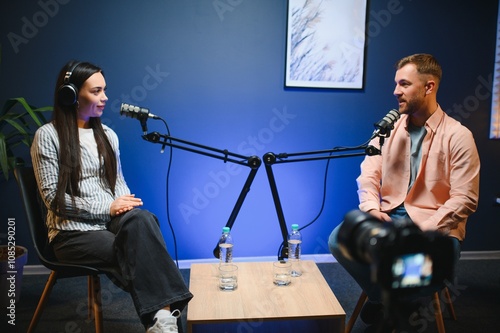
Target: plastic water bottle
(294,248)
(226,246)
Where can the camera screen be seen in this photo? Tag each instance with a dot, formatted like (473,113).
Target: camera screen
(411,270)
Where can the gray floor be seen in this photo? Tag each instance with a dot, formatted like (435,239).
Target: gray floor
(476,300)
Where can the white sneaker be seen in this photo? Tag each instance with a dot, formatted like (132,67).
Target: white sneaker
(165,321)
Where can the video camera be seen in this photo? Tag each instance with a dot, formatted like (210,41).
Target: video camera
(404,259)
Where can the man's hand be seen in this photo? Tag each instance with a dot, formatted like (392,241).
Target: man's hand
(124,204)
(380,215)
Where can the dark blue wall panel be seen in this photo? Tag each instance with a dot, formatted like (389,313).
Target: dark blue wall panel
(217,78)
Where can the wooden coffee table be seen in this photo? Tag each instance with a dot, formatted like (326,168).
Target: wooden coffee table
(260,306)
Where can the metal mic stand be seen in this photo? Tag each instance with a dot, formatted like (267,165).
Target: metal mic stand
(253,162)
(271,158)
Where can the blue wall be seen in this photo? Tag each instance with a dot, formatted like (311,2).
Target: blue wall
(217,77)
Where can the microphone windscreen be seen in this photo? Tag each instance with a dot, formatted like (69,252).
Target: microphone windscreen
(133,111)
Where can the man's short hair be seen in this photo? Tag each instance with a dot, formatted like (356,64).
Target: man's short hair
(425,64)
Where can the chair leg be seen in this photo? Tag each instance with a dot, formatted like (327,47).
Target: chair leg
(449,303)
(90,298)
(43,299)
(355,313)
(95,297)
(437,313)
(436,303)
(437,309)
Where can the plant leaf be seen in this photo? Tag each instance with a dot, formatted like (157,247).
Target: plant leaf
(8,105)
(29,109)
(22,128)
(4,165)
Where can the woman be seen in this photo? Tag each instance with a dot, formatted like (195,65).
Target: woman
(92,218)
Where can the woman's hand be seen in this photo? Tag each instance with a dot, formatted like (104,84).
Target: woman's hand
(124,204)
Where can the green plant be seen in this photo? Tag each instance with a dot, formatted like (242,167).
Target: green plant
(18,123)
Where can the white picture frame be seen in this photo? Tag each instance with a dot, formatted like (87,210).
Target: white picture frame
(325,43)
(495,99)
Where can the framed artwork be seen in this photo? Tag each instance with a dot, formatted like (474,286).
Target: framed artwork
(495,99)
(325,43)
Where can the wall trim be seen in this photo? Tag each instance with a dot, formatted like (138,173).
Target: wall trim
(318,258)
(480,255)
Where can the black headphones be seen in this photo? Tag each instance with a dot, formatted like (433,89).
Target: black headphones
(67,94)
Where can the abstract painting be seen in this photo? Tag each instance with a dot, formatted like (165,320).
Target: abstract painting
(325,43)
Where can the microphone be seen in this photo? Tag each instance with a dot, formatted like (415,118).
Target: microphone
(139,113)
(384,126)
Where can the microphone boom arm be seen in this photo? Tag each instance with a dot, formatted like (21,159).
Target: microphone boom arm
(221,154)
(253,162)
(271,158)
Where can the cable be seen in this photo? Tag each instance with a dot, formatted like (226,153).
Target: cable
(321,208)
(167,181)
(325,183)
(324,191)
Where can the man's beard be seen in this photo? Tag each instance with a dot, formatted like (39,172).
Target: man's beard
(409,107)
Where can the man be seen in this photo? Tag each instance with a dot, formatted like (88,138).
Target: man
(428,170)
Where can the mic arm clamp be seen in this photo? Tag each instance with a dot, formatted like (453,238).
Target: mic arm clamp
(253,162)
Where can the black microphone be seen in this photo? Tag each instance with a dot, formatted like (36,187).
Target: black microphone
(137,112)
(384,126)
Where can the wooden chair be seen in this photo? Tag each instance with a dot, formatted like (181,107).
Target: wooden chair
(435,300)
(35,216)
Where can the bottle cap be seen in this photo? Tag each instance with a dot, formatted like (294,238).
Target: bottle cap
(295,227)
(226,230)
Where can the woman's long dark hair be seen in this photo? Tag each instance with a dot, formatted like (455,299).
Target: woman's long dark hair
(65,122)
